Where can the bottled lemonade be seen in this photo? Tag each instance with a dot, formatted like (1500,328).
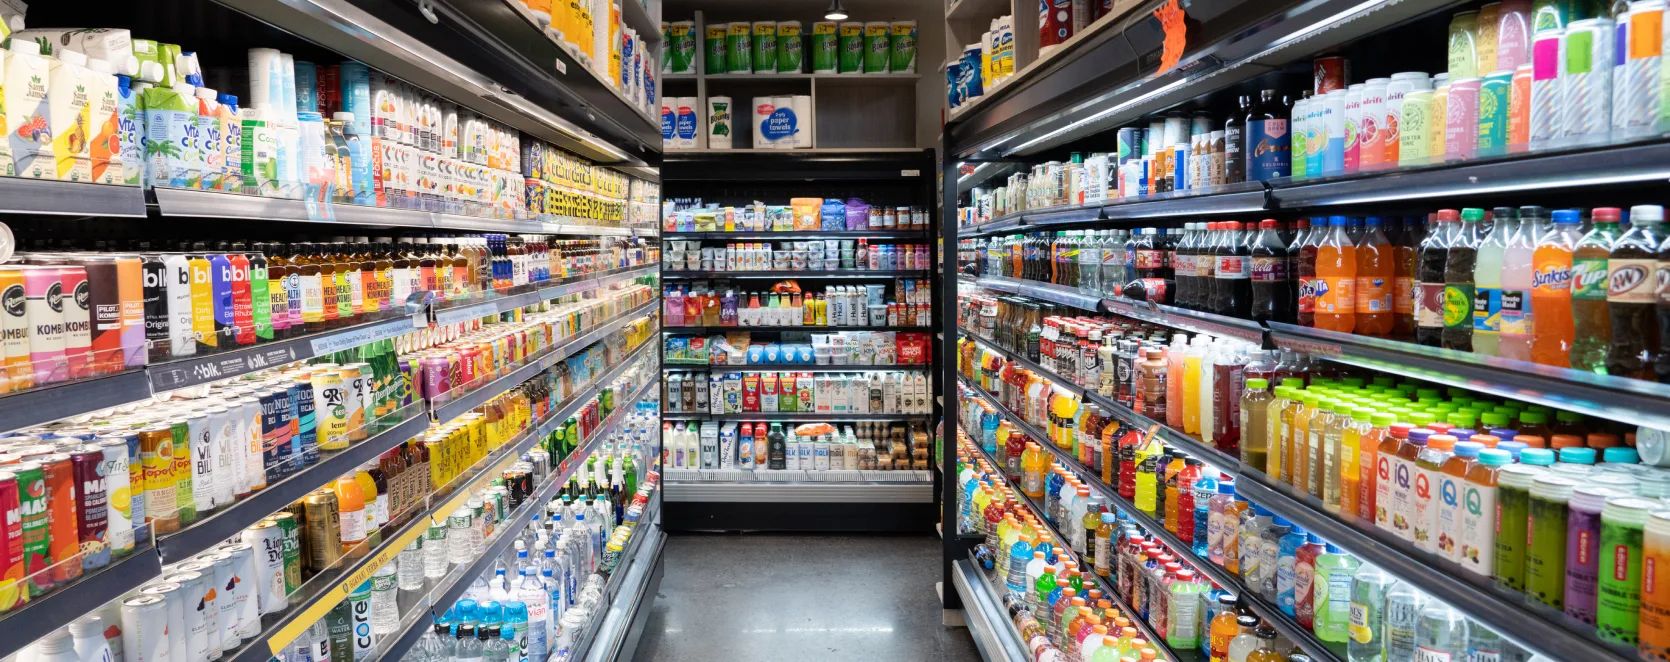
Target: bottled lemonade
(1348,472)
(1255,405)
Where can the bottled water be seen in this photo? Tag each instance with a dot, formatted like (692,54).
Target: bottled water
(1404,606)
(460,546)
(435,552)
(515,631)
(469,645)
(409,571)
(1368,608)
(1441,634)
(385,604)
(531,591)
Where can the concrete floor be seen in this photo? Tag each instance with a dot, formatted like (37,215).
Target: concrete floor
(743,597)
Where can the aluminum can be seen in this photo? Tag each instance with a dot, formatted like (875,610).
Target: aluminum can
(207,604)
(267,541)
(226,606)
(175,602)
(302,425)
(1586,80)
(248,425)
(323,531)
(290,536)
(195,602)
(275,435)
(36,527)
(145,629)
(118,486)
(201,441)
(228,461)
(353,401)
(330,411)
(183,479)
(92,504)
(12,592)
(244,593)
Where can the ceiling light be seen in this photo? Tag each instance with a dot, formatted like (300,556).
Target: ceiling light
(836,12)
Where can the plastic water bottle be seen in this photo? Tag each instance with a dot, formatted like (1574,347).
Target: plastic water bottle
(385,603)
(1368,602)
(517,630)
(1441,633)
(469,645)
(1404,608)
(409,566)
(536,600)
(495,644)
(435,552)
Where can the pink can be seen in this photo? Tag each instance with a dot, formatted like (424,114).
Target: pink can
(437,377)
(1513,34)
(43,287)
(1461,120)
(78,321)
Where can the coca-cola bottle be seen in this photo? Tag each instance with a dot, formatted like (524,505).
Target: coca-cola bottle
(1272,287)
(1233,295)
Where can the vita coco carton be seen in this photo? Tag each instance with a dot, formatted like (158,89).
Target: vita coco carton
(210,140)
(171,140)
(28,132)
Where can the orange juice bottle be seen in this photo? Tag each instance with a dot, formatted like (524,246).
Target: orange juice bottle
(1350,464)
(1368,463)
(1376,276)
(1336,272)
(1295,468)
(350,505)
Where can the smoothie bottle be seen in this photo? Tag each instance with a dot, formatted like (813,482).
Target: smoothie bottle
(1477,531)
(1428,466)
(1452,475)
(1583,548)
(1622,529)
(1545,556)
(1655,599)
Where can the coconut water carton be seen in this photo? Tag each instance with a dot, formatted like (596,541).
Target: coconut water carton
(171,137)
(131,129)
(259,159)
(28,130)
(209,140)
(231,138)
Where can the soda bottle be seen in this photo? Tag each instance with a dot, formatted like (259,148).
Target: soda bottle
(1336,271)
(1206,266)
(1552,326)
(1630,296)
(1589,311)
(1376,270)
(1487,297)
(1459,288)
(1516,318)
(1272,291)
(1234,275)
(1434,255)
(1183,266)
(1405,251)
(1303,254)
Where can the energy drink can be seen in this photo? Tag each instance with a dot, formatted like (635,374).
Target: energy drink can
(120,521)
(78,335)
(157,320)
(104,303)
(289,531)
(245,590)
(201,442)
(302,420)
(14,325)
(145,629)
(331,410)
(184,496)
(44,291)
(1642,70)
(227,458)
(91,506)
(1547,86)
(36,527)
(195,603)
(226,607)
(1586,80)
(174,603)
(204,598)
(267,542)
(203,303)
(353,400)
(156,451)
(130,287)
(323,529)
(12,592)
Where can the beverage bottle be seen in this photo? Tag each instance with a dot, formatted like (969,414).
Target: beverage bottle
(1302,258)
(1254,423)
(1336,280)
(1233,275)
(1434,256)
(1590,271)
(1406,264)
(1630,295)
(1182,264)
(1365,630)
(1286,564)
(1441,633)
(1272,290)
(1268,135)
(1448,490)
(1376,280)
(1553,326)
(1248,641)
(1304,579)
(1517,321)
(1335,575)
(1488,306)
(1403,608)
(1459,286)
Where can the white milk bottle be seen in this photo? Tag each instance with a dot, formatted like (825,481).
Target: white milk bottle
(27,129)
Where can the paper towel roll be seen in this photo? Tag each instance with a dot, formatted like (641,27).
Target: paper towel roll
(763,107)
(688,123)
(803,121)
(721,122)
(786,138)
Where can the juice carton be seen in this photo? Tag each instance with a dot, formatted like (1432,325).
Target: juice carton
(171,147)
(28,131)
(149,56)
(259,157)
(168,55)
(231,138)
(6,167)
(105,113)
(113,45)
(211,143)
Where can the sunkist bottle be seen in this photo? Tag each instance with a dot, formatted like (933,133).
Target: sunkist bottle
(1630,296)
(1376,280)
(1590,271)
(1336,272)
(1434,255)
(1553,327)
(1459,286)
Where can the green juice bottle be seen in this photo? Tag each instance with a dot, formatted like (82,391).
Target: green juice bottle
(1545,559)
(1622,522)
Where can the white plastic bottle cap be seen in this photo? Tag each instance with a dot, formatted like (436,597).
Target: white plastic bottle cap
(206,93)
(72,57)
(342,116)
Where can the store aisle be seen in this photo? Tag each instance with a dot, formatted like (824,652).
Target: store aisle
(801,598)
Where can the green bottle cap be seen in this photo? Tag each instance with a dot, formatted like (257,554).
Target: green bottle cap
(1383,419)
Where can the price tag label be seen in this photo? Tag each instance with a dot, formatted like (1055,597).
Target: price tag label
(212,368)
(370,334)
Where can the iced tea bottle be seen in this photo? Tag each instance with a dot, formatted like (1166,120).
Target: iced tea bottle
(1336,279)
(1459,286)
(1630,296)
(1376,280)
(1434,256)
(1255,405)
(1590,271)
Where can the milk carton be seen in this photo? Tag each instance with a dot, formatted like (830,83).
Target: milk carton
(105,112)
(259,157)
(231,138)
(210,143)
(28,131)
(171,141)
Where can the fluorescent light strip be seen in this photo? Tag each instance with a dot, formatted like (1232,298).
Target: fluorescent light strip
(1098,116)
(1510,188)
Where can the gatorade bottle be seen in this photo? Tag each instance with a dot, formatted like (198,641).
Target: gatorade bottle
(1459,287)
(1552,326)
(1376,274)
(1336,279)
(1588,292)
(1434,255)
(1630,296)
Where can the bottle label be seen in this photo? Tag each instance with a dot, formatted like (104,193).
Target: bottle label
(1478,528)
(1269,269)
(1268,149)
(1358,627)
(1307,294)
(1513,314)
(1431,311)
(1374,295)
(1403,296)
(1458,305)
(1233,267)
(1150,259)
(1589,278)
(1334,295)
(1631,281)
(1487,310)
(1424,654)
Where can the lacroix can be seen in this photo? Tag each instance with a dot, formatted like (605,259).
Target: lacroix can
(1461,124)
(119,493)
(44,289)
(12,592)
(78,327)
(330,410)
(156,451)
(36,527)
(353,401)
(14,325)
(92,505)
(1494,100)
(850,39)
(267,542)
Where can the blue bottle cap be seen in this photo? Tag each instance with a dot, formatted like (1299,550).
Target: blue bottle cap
(1620,455)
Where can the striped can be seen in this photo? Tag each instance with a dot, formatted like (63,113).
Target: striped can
(302,431)
(203,459)
(1586,80)
(1493,113)
(1547,50)
(1642,71)
(267,540)
(248,425)
(145,629)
